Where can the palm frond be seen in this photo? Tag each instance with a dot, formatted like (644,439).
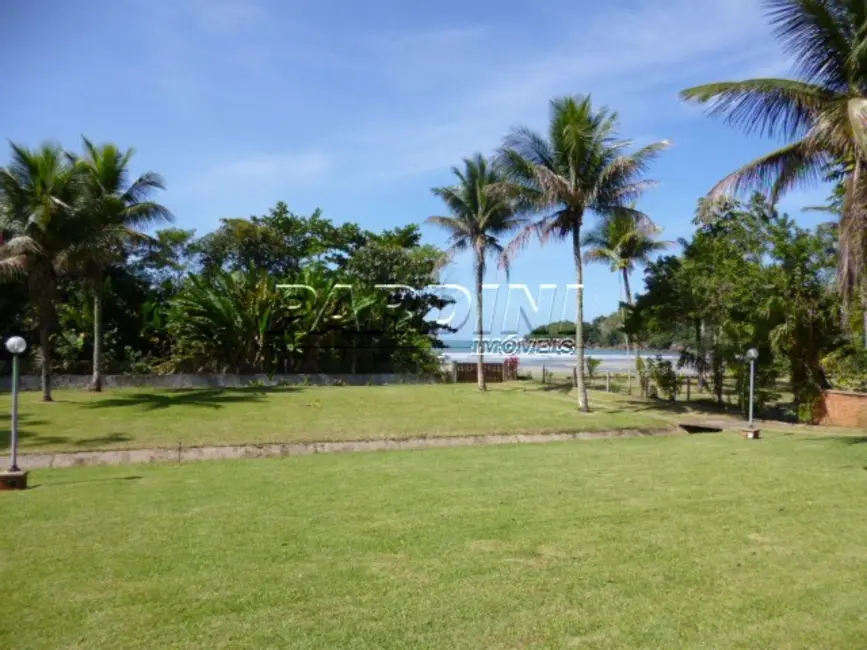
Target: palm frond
(541,230)
(601,256)
(480,209)
(145,215)
(620,181)
(775,173)
(813,34)
(772,107)
(454,199)
(21,245)
(143,187)
(530,146)
(13,267)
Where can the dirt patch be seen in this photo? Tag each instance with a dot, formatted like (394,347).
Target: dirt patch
(277,450)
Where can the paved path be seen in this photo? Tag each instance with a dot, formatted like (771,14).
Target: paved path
(277,450)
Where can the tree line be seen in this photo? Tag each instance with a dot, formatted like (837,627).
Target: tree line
(605,331)
(543,185)
(83,279)
(751,278)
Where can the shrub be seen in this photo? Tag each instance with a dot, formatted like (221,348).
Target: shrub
(665,377)
(592,366)
(847,368)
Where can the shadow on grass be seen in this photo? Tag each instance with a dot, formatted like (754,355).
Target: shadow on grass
(628,404)
(30,440)
(700,407)
(849,441)
(782,412)
(108,439)
(555,388)
(92,480)
(26,436)
(208,398)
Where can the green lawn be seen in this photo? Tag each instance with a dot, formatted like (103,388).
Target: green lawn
(139,418)
(705,541)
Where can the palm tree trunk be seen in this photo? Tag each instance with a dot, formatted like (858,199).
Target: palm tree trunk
(864,307)
(626,287)
(96,380)
(628,292)
(45,319)
(480,319)
(583,404)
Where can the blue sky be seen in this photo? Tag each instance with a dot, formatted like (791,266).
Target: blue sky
(361,107)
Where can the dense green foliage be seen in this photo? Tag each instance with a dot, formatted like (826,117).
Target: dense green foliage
(601,332)
(748,278)
(77,272)
(821,114)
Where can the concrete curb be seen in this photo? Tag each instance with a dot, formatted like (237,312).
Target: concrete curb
(277,450)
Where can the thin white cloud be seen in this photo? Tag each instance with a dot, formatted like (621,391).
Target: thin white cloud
(270,174)
(222,17)
(192,47)
(283,167)
(635,60)
(413,101)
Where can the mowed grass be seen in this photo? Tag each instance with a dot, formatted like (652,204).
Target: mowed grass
(140,418)
(705,541)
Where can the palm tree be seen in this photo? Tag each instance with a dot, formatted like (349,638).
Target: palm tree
(583,166)
(822,113)
(623,239)
(479,216)
(38,191)
(114,211)
(834,206)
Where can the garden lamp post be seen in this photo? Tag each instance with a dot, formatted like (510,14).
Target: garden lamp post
(752,355)
(14,478)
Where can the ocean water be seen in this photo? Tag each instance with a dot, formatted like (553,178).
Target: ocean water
(463,350)
(463,347)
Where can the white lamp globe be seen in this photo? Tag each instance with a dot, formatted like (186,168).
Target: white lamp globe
(16,345)
(752,354)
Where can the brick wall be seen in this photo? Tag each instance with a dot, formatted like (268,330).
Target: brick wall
(842,409)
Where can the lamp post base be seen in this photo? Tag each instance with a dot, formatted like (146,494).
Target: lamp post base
(13,480)
(751,433)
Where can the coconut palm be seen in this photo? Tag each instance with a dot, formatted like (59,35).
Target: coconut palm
(479,216)
(113,213)
(38,192)
(822,114)
(582,166)
(623,240)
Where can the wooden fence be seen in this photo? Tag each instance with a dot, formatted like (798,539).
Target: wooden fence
(467,373)
(627,383)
